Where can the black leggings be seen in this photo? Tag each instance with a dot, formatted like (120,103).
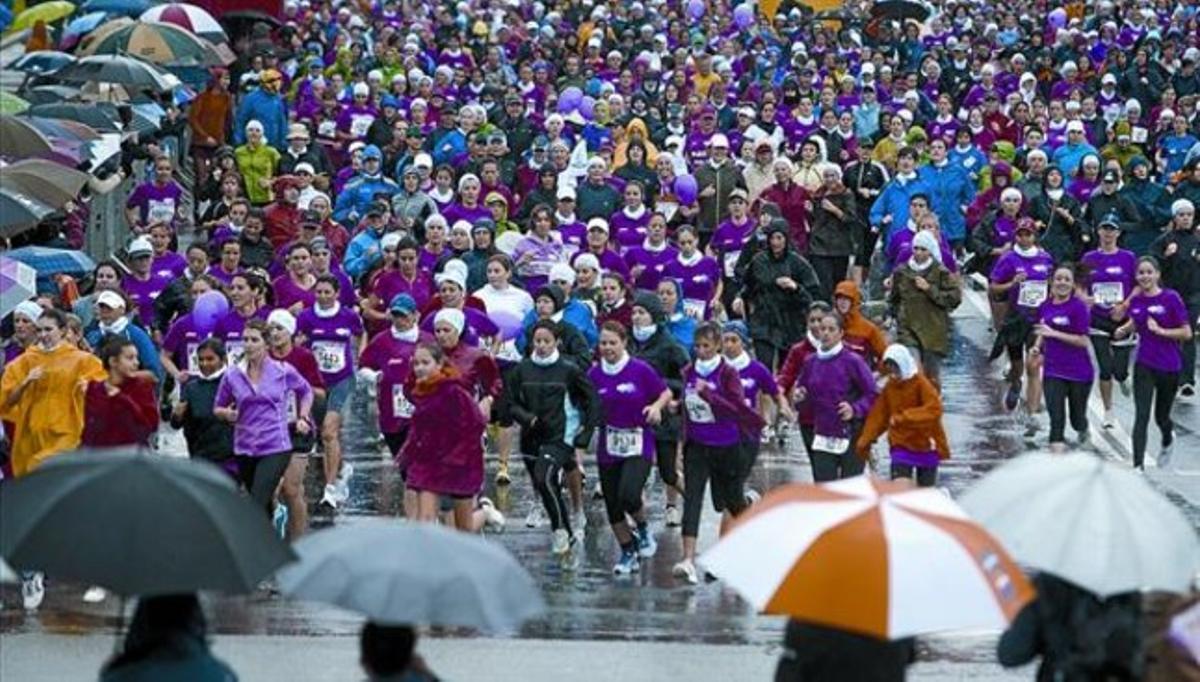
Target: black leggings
(769,354)
(260,476)
(830,466)
(546,471)
(1112,359)
(1065,398)
(1188,375)
(395,441)
(666,450)
(725,466)
(926,476)
(622,485)
(830,270)
(1146,383)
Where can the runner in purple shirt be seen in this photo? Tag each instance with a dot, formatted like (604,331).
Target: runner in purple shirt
(629,224)
(183,339)
(434,249)
(648,260)
(142,285)
(699,275)
(1161,321)
(1109,285)
(1062,344)
(157,201)
(633,396)
(598,246)
(243,292)
(1022,277)
(166,263)
(230,263)
(294,290)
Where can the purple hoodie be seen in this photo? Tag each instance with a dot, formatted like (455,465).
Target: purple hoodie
(843,377)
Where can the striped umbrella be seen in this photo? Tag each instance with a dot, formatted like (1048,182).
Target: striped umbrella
(188,17)
(877,558)
(18,282)
(156,43)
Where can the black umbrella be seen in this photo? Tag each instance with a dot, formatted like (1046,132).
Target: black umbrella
(137,524)
(92,116)
(112,68)
(900,10)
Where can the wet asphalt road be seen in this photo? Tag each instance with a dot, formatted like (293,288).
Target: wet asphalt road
(589,602)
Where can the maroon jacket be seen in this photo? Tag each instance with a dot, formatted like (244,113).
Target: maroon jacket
(792,206)
(128,418)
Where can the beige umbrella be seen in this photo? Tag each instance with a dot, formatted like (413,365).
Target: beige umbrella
(19,138)
(50,183)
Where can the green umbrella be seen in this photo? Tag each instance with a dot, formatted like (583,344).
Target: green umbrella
(11,104)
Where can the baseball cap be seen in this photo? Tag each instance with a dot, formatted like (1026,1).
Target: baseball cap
(739,194)
(140,247)
(305,168)
(111,299)
(377,208)
(719,140)
(1110,176)
(1076,126)
(598,224)
(566,193)
(1111,221)
(402,304)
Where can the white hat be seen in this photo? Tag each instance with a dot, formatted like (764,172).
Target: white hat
(361,89)
(390,241)
(1010,193)
(30,310)
(461,226)
(719,140)
(423,160)
(453,317)
(1181,205)
(282,318)
(454,271)
(254,125)
(561,272)
(598,224)
(1109,78)
(566,192)
(747,111)
(1075,126)
(925,240)
(140,246)
(305,168)
(111,299)
(587,260)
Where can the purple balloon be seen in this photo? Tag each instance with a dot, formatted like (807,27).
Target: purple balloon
(207,309)
(587,107)
(569,99)
(509,323)
(686,189)
(743,16)
(695,8)
(1057,18)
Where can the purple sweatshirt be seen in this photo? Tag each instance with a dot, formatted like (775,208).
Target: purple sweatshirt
(843,377)
(262,421)
(332,337)
(654,263)
(623,396)
(699,280)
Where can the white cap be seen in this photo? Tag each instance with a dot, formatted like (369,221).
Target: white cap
(361,89)
(566,192)
(30,310)
(587,260)
(254,125)
(461,226)
(111,299)
(390,240)
(284,319)
(305,168)
(1109,78)
(1181,205)
(141,246)
(598,224)
(453,317)
(561,272)
(719,140)
(423,160)
(1075,125)
(454,271)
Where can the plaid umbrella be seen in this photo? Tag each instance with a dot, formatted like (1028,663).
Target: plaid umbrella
(18,282)
(157,43)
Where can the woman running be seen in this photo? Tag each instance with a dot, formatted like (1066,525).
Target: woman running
(1061,349)
(910,410)
(1110,272)
(633,397)
(699,276)
(335,336)
(922,296)
(122,408)
(254,398)
(557,408)
(208,437)
(1161,321)
(757,383)
(838,387)
(245,291)
(797,356)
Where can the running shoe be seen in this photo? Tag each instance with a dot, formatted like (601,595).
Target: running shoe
(33,591)
(627,564)
(493,519)
(767,435)
(752,496)
(687,570)
(346,471)
(674,518)
(646,544)
(95,595)
(1085,439)
(330,498)
(1187,391)
(1110,419)
(502,475)
(535,517)
(1012,397)
(280,519)
(1031,425)
(562,542)
(1164,455)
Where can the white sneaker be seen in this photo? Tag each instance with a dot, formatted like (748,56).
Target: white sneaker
(330,498)
(752,496)
(597,492)
(767,435)
(493,519)
(674,516)
(535,517)
(95,595)
(561,543)
(346,471)
(1164,455)
(1110,419)
(687,570)
(579,526)
(33,591)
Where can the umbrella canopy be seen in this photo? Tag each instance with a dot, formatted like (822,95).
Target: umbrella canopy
(137,524)
(48,262)
(92,117)
(19,138)
(49,94)
(51,183)
(900,10)
(47,11)
(413,574)
(19,211)
(18,282)
(11,104)
(41,62)
(129,8)
(1096,524)
(188,17)
(110,68)
(60,130)
(157,43)
(875,558)
(80,26)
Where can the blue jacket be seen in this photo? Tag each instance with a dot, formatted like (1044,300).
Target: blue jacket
(449,147)
(893,201)
(972,161)
(269,110)
(355,198)
(950,192)
(147,354)
(1068,156)
(359,255)
(577,313)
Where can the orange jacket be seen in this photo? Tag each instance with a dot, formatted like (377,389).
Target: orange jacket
(861,335)
(910,410)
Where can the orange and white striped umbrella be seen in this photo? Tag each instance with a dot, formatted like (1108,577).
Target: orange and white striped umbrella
(872,557)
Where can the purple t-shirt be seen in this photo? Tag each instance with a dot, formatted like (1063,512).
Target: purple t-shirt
(699,281)
(629,231)
(428,260)
(703,425)
(392,282)
(728,241)
(288,293)
(1110,279)
(144,293)
(155,203)
(333,340)
(1029,295)
(169,265)
(574,237)
(623,396)
(654,263)
(1154,351)
(182,341)
(609,262)
(756,379)
(1063,360)
(456,212)
(218,273)
(230,328)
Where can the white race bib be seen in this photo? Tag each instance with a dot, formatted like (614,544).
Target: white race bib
(694,308)
(667,208)
(327,128)
(401,407)
(508,351)
(1108,293)
(293,408)
(1032,293)
(698,409)
(160,211)
(360,124)
(730,259)
(623,443)
(331,356)
(235,350)
(1139,134)
(834,446)
(193,357)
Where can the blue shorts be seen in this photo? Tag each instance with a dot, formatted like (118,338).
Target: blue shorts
(337,396)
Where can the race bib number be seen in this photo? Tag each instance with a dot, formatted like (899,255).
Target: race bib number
(623,443)
(698,409)
(359,125)
(729,261)
(161,211)
(667,208)
(508,351)
(1032,293)
(193,357)
(327,128)
(835,446)
(537,268)
(1108,293)
(331,356)
(401,407)
(1139,134)
(293,408)
(694,308)
(236,351)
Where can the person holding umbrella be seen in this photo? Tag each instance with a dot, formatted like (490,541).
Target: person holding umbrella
(254,399)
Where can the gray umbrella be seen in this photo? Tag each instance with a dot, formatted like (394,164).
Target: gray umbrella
(19,210)
(111,68)
(137,524)
(413,574)
(94,117)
